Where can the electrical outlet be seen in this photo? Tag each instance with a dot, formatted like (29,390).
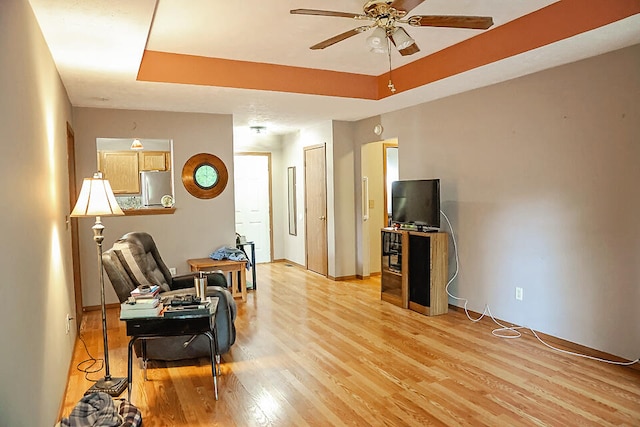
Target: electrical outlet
(519,294)
(172,270)
(68,323)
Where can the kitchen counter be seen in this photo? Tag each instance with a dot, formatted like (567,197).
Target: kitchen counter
(149,211)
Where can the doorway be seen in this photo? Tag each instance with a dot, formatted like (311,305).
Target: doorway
(379,166)
(315,190)
(253,216)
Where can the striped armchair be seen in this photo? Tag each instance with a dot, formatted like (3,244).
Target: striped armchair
(134,260)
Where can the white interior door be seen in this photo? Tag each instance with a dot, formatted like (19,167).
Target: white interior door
(253,202)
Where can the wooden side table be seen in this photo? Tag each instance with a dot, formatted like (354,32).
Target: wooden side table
(235,269)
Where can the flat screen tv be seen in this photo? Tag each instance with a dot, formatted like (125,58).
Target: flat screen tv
(416,202)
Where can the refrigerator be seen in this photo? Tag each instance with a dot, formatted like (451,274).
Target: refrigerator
(154,185)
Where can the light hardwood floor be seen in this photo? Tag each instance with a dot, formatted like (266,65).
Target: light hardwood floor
(315,352)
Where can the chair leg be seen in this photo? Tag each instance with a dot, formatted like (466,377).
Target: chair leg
(189,341)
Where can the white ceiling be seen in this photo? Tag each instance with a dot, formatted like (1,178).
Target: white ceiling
(98,46)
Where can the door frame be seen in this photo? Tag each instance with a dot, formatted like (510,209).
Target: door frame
(386,145)
(73,224)
(268,156)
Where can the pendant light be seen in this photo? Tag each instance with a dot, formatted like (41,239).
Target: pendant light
(136,144)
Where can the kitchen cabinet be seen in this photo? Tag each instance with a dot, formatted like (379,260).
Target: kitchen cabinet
(121,169)
(154,160)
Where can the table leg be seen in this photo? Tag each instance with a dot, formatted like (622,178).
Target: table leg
(213,346)
(253,265)
(130,368)
(144,358)
(243,284)
(253,260)
(234,283)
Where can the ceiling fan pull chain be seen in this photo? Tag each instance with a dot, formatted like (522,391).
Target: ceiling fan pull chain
(391,86)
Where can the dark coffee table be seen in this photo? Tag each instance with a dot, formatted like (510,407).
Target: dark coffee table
(143,328)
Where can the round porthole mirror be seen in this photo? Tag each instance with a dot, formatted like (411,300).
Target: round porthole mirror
(204,176)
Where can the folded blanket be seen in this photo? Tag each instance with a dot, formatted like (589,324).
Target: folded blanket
(131,415)
(94,409)
(233,254)
(100,410)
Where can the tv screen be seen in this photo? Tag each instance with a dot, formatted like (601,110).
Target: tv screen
(416,202)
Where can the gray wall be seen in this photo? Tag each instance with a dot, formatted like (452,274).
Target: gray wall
(539,177)
(294,248)
(37,280)
(337,138)
(362,134)
(341,181)
(198,227)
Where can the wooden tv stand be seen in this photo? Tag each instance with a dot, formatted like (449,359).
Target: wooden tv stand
(415,270)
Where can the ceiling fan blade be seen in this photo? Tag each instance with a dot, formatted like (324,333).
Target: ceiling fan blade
(406,5)
(339,38)
(316,12)
(410,50)
(451,21)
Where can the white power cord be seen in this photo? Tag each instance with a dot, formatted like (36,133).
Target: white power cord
(510,332)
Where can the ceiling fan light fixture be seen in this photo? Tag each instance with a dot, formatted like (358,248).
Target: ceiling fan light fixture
(258,129)
(377,41)
(401,39)
(382,49)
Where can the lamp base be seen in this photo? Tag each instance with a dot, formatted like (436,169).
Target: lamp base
(114,386)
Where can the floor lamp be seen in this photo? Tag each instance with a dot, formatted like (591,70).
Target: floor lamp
(96,199)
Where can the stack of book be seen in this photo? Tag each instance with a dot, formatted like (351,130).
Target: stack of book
(140,307)
(146,292)
(197,308)
(144,302)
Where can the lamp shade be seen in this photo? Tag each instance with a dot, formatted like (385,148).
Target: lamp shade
(377,41)
(96,199)
(401,39)
(383,49)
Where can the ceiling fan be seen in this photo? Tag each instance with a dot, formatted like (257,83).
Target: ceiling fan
(386,14)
